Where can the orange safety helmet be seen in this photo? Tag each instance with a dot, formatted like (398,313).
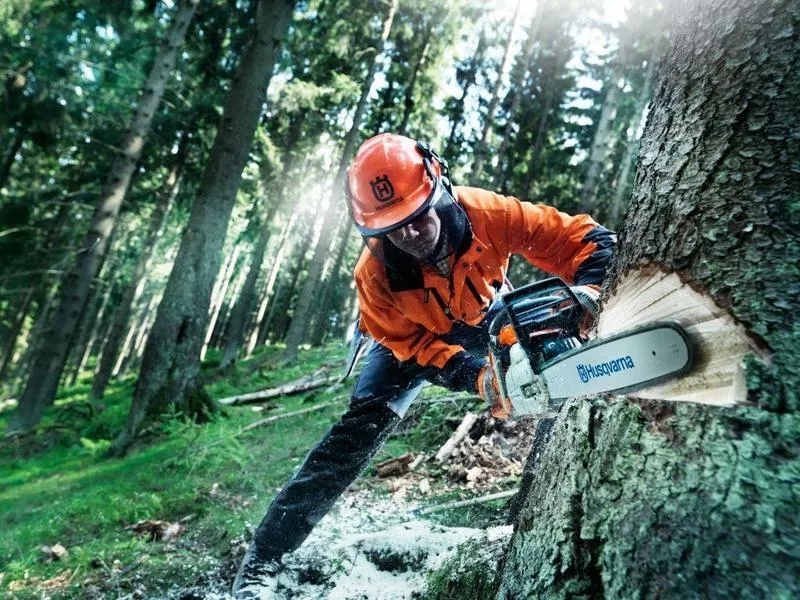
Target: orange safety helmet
(392,180)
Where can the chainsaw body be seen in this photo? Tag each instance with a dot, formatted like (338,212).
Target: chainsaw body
(538,322)
(541,358)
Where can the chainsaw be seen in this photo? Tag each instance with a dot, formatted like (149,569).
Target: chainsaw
(541,359)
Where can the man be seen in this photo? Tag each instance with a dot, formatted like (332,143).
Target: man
(435,259)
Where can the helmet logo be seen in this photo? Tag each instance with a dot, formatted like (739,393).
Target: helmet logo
(382,188)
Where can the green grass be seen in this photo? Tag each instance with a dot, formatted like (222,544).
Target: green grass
(57,487)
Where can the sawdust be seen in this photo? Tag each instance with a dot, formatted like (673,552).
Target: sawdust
(372,547)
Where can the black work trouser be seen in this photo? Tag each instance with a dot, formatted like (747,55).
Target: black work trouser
(384,391)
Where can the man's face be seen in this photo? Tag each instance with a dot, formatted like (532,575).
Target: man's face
(419,237)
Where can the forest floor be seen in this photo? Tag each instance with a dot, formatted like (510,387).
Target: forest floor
(172,518)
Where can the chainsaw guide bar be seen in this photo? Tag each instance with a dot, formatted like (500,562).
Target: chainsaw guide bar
(628,361)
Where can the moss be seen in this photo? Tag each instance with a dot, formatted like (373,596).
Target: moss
(472,574)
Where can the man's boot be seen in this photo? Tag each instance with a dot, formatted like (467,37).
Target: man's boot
(256,576)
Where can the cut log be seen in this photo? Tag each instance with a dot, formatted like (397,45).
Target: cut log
(399,465)
(463,503)
(297,413)
(295,387)
(459,434)
(719,342)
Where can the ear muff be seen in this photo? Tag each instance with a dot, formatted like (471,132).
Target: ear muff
(429,155)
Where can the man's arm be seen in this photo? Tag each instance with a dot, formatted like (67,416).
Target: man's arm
(576,248)
(450,365)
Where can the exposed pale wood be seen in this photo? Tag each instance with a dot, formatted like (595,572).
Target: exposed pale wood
(272,419)
(295,387)
(720,343)
(459,434)
(463,503)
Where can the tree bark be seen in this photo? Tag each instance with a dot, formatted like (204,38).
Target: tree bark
(37,292)
(49,363)
(533,163)
(226,276)
(132,293)
(652,499)
(244,304)
(302,314)
(285,290)
(90,327)
(171,360)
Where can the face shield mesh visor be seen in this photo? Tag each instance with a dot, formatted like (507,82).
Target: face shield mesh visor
(453,228)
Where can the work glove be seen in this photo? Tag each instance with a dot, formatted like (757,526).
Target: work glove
(489,390)
(589,297)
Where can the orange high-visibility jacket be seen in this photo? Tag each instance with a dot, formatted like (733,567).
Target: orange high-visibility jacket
(409,318)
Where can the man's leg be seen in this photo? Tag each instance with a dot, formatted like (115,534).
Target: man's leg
(383,392)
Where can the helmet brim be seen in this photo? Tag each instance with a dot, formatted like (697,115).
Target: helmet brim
(397,221)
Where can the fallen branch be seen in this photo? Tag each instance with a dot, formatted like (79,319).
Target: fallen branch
(462,503)
(287,389)
(268,420)
(460,433)
(450,399)
(399,465)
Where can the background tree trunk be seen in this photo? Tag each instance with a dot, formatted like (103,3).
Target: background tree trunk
(171,361)
(302,314)
(49,363)
(132,293)
(482,151)
(600,144)
(408,100)
(652,499)
(632,143)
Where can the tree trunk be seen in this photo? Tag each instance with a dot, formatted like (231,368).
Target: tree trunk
(126,358)
(516,92)
(632,144)
(92,322)
(266,296)
(408,101)
(600,143)
(287,290)
(16,328)
(122,316)
(36,291)
(171,365)
(533,163)
(652,499)
(471,76)
(226,275)
(302,314)
(44,311)
(324,309)
(482,151)
(49,363)
(244,304)
(16,144)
